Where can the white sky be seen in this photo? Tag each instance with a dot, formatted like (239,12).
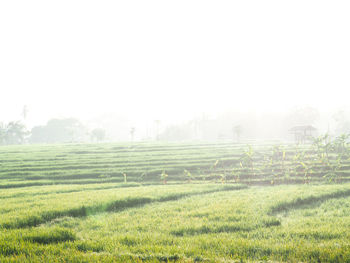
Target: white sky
(171,59)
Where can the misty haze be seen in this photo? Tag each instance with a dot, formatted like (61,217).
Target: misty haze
(186,131)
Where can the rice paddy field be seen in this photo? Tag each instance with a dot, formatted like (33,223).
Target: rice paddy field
(162,202)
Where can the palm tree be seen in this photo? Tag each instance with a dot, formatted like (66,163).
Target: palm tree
(132,133)
(157,122)
(2,133)
(25,112)
(237,130)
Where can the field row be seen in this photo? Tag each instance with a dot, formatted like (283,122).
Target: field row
(183,223)
(141,162)
(37,205)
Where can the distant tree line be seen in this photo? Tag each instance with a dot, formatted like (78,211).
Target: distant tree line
(14,132)
(58,131)
(65,130)
(239,126)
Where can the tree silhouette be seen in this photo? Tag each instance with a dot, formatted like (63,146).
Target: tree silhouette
(25,112)
(157,122)
(15,133)
(132,133)
(59,131)
(2,133)
(98,134)
(237,130)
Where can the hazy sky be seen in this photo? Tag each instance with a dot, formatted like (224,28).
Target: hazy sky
(171,59)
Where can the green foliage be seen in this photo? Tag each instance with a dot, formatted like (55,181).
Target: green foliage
(332,175)
(188,175)
(341,145)
(164,176)
(125,178)
(223,177)
(247,159)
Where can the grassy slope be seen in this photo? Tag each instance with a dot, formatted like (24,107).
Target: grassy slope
(101,219)
(207,223)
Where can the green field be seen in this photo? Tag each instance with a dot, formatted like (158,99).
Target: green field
(198,202)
